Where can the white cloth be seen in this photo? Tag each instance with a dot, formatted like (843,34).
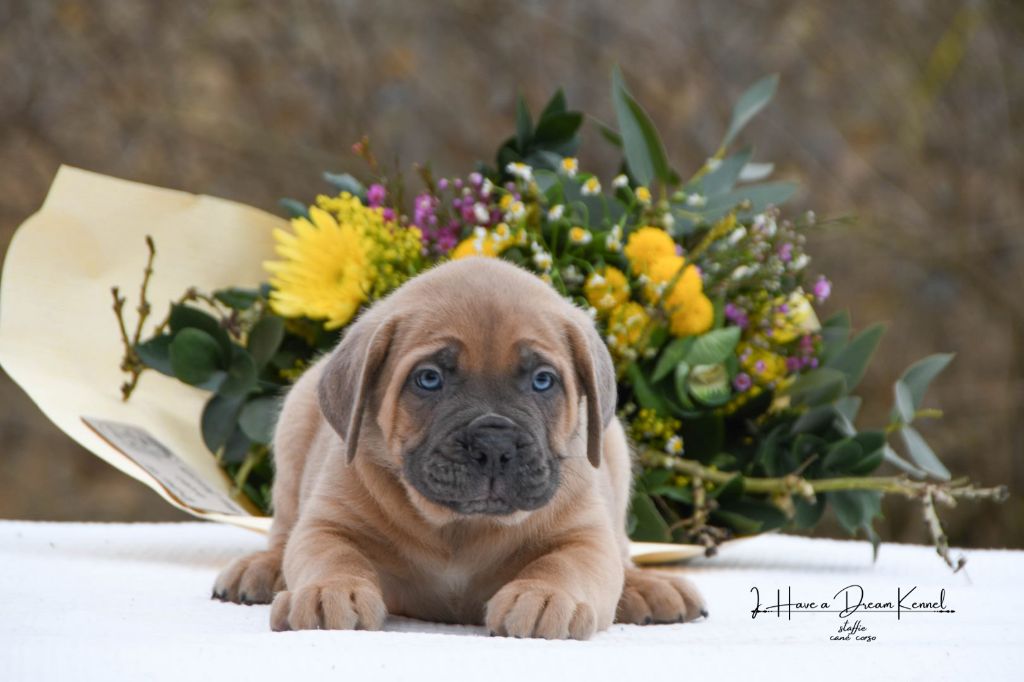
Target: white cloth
(132,601)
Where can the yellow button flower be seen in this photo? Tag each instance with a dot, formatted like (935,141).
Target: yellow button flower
(643,195)
(606,289)
(647,245)
(691,316)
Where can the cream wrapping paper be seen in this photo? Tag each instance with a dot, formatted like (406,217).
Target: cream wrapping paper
(59,339)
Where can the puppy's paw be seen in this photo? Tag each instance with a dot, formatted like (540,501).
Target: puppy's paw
(533,608)
(252,579)
(345,604)
(652,597)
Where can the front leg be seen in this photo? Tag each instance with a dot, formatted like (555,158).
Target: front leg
(331,584)
(569,592)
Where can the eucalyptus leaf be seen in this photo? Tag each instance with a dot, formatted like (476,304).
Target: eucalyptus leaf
(724,177)
(842,455)
(853,360)
(922,454)
(755,198)
(219,419)
(294,208)
(184,316)
(237,298)
(155,353)
(822,385)
(855,508)
(241,374)
(258,417)
(344,182)
(644,152)
(919,375)
(892,457)
(807,514)
(264,339)
(904,402)
(556,105)
(524,125)
(236,448)
(194,356)
(749,104)
(557,128)
(650,526)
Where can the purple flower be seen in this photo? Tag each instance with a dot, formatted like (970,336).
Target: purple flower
(458,183)
(388,214)
(793,364)
(736,315)
(822,288)
(442,184)
(376,194)
(760,366)
(742,382)
(786,252)
(476,179)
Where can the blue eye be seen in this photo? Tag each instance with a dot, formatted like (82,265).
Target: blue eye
(429,379)
(543,380)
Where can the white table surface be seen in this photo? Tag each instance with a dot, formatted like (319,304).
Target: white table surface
(132,601)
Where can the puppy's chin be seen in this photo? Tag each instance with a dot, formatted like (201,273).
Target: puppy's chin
(442,515)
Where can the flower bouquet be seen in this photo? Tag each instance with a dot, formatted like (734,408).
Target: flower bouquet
(738,401)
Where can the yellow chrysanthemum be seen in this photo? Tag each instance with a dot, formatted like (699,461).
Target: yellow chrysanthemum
(647,245)
(606,289)
(663,270)
(326,270)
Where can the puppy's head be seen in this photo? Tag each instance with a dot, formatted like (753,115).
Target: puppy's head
(476,380)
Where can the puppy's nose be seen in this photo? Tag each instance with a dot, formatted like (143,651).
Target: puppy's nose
(492,441)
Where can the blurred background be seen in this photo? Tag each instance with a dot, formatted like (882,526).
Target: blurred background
(908,114)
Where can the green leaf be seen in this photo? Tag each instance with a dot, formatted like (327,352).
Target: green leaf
(680,378)
(671,356)
(892,457)
(759,198)
(650,526)
(919,375)
(258,417)
(184,316)
(749,104)
(904,402)
(236,448)
(842,455)
(195,356)
(241,374)
(853,360)
(557,128)
(219,419)
(855,508)
(237,298)
(556,105)
(807,514)
(814,420)
(156,354)
(264,339)
(766,513)
(343,182)
(922,454)
(644,152)
(714,346)
(849,406)
(524,125)
(724,177)
(822,385)
(645,395)
(294,208)
(738,522)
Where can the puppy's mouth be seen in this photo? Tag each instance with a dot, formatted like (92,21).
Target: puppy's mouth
(524,480)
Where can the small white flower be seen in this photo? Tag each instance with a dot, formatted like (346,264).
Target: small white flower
(487,187)
(592,312)
(695,200)
(535,247)
(481,213)
(516,211)
(480,232)
(667,221)
(597,279)
(571,274)
(591,187)
(737,235)
(674,445)
(620,181)
(801,262)
(612,244)
(741,272)
(713,164)
(520,170)
(570,165)
(543,260)
(555,212)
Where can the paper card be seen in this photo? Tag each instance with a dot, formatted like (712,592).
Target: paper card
(59,340)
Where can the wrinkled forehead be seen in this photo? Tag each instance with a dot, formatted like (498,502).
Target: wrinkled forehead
(485,340)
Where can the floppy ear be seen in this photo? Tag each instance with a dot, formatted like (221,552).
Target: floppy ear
(596,374)
(350,376)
